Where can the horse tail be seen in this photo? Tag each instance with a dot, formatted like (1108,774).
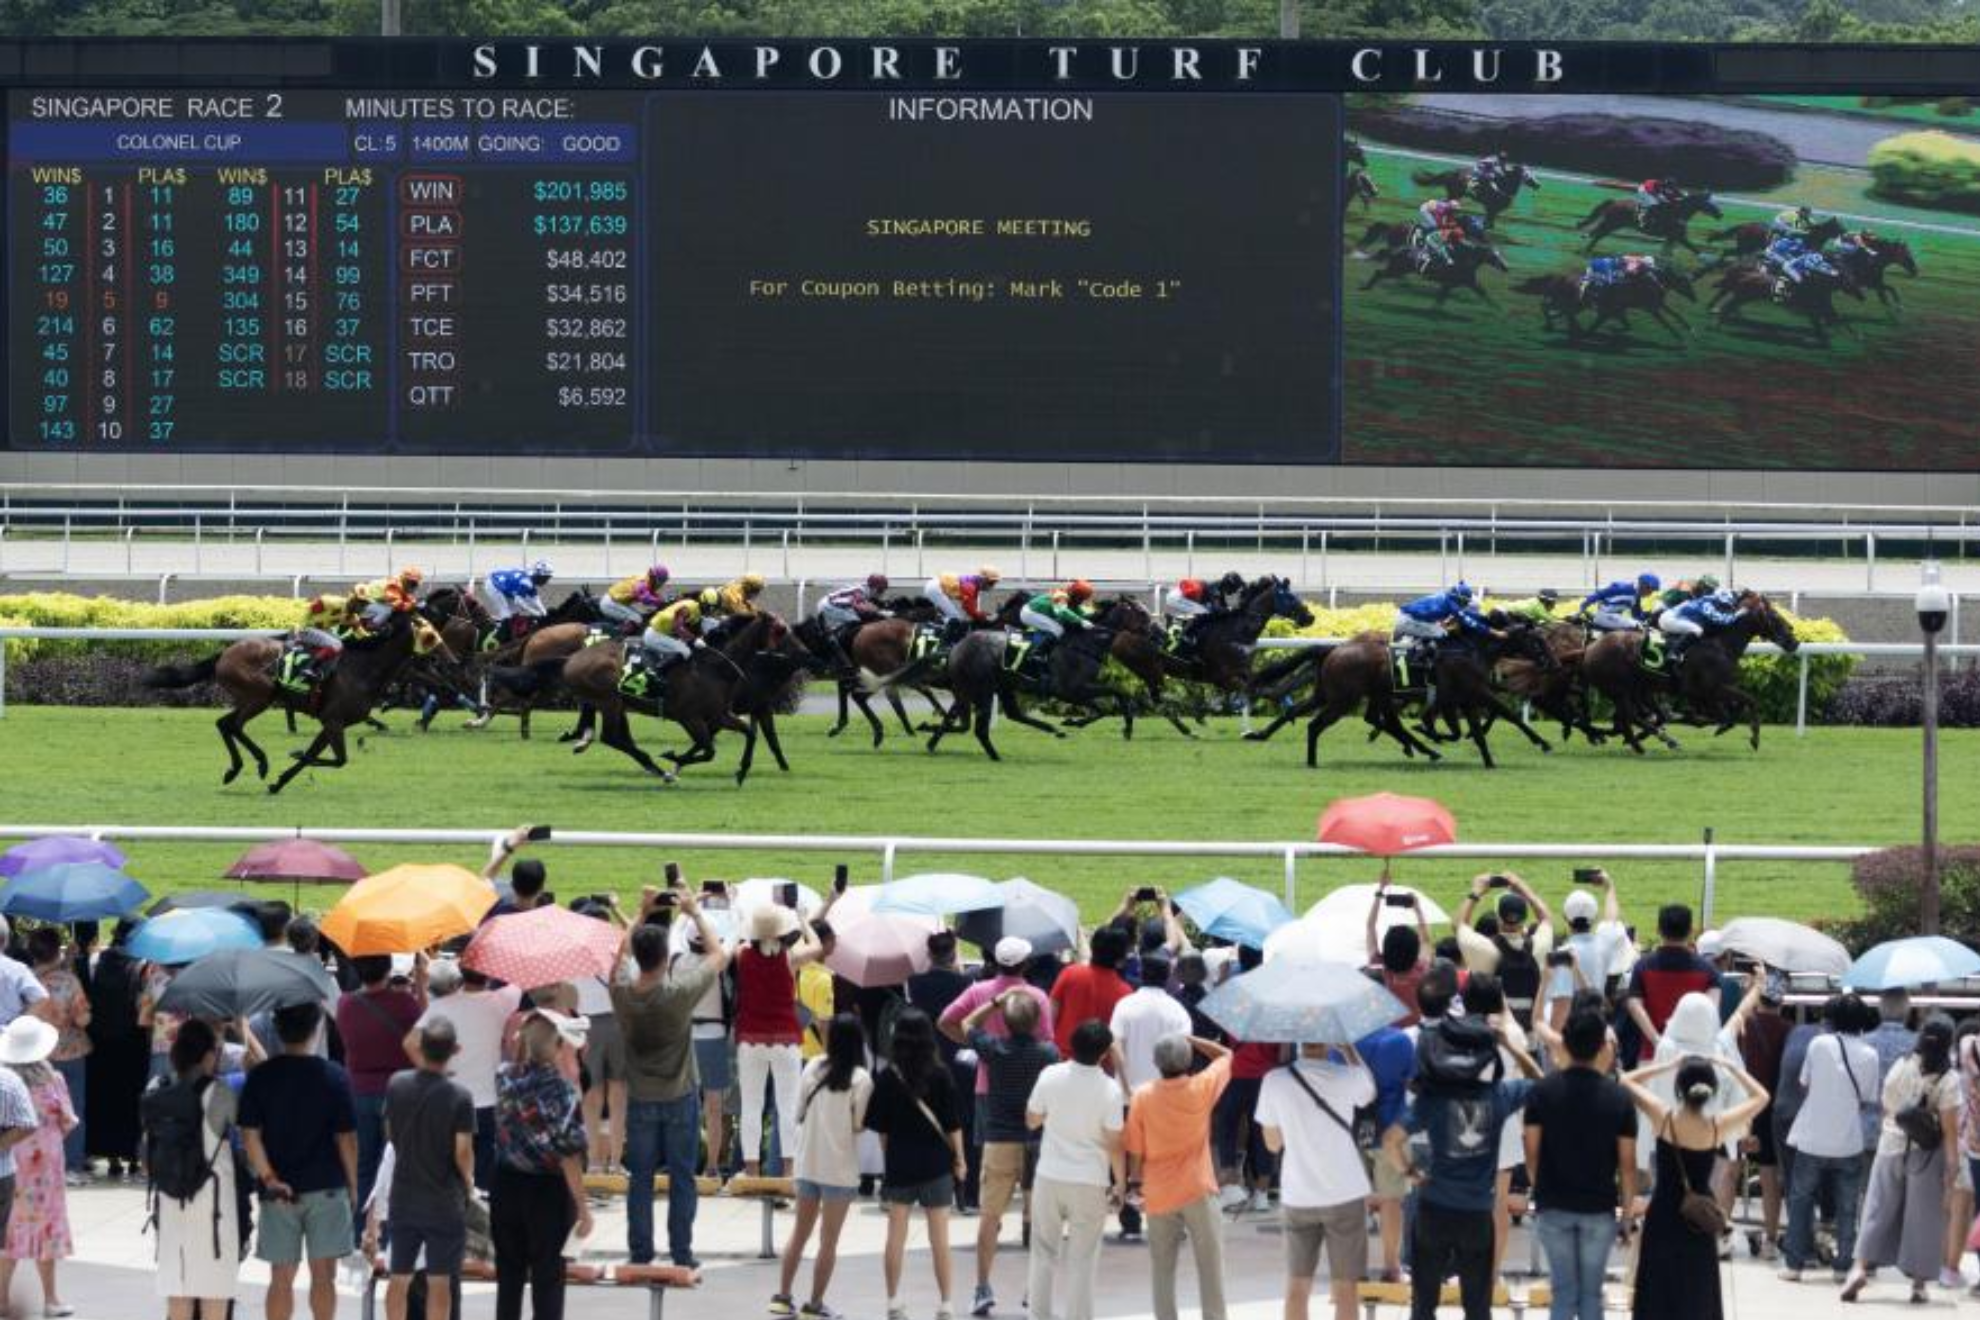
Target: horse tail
(871,683)
(182,676)
(1280,670)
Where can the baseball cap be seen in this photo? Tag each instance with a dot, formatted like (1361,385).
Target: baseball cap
(1709,944)
(1512,909)
(1013,951)
(1580,906)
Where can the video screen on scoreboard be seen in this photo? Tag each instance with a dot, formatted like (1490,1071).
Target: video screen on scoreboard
(1766,282)
(1120,278)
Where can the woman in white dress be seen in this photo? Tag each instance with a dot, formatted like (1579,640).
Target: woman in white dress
(199,1241)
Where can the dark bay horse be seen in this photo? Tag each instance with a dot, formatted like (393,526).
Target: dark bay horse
(1668,223)
(1812,298)
(1352,675)
(1751,239)
(1493,197)
(1460,272)
(1706,682)
(1866,264)
(883,646)
(1555,690)
(982,682)
(244,671)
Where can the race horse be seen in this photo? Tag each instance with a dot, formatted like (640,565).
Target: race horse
(1358,188)
(1356,674)
(1461,690)
(1865,263)
(1750,240)
(1669,223)
(1493,197)
(882,646)
(1460,272)
(983,680)
(1139,645)
(700,693)
(1564,298)
(245,673)
(1554,689)
(1705,682)
(1813,297)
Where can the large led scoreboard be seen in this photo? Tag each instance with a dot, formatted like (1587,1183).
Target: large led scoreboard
(1038,251)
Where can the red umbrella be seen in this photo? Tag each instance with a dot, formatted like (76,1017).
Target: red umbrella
(543,946)
(296,859)
(1386,823)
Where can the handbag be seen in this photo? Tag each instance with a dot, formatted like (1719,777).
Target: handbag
(1701,1213)
(1364,1131)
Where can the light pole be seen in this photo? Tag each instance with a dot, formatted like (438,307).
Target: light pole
(1289,20)
(1933,603)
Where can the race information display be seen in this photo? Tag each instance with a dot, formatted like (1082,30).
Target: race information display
(1124,277)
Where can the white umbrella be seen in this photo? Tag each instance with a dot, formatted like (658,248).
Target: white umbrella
(1320,941)
(1788,945)
(1353,900)
(762,892)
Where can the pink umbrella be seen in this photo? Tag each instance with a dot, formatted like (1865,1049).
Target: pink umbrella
(876,949)
(297,860)
(542,947)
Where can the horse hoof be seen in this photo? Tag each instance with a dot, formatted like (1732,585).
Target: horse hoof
(231,775)
(1546,749)
(1256,735)
(273,789)
(833,733)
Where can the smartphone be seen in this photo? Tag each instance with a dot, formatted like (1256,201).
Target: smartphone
(538,833)
(841,878)
(1399,900)
(713,887)
(1587,875)
(1560,958)
(787,894)
(1498,882)
(1145,894)
(668,899)
(673,870)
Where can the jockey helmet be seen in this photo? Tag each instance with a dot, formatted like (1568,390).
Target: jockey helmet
(1232,581)
(989,574)
(752,582)
(709,598)
(1705,585)
(876,583)
(541,571)
(1190,589)
(1648,582)
(1548,596)
(411,576)
(1079,591)
(1462,592)
(657,575)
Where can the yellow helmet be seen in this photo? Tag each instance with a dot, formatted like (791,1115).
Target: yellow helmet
(710,598)
(411,575)
(988,574)
(753,582)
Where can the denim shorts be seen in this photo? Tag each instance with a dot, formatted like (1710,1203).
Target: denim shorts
(315,1226)
(808,1190)
(715,1063)
(935,1194)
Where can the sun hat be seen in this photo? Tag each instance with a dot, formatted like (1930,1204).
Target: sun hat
(27,1040)
(574,1030)
(771,922)
(1012,951)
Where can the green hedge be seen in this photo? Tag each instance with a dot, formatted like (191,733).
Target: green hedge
(1927,169)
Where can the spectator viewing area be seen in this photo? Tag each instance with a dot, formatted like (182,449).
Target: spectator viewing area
(1083,677)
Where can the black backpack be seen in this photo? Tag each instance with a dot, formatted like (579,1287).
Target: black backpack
(1457,1056)
(176,1161)
(1519,976)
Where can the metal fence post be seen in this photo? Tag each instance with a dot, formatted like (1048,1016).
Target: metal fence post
(1870,561)
(887,862)
(787,563)
(1801,701)
(1304,570)
(1730,537)
(1292,879)
(3,680)
(1711,894)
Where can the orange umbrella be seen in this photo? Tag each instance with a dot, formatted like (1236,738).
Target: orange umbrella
(408,908)
(1387,823)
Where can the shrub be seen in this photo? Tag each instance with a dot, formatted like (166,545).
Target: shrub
(50,609)
(1889,883)
(1702,154)
(1897,701)
(1927,169)
(1953,107)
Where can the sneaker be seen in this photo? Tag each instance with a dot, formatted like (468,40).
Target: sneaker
(1259,1204)
(984,1303)
(943,1312)
(1789,1274)
(1770,1248)
(818,1311)
(57,1310)
(1853,1287)
(1232,1199)
(1951,1279)
(897,1313)
(782,1305)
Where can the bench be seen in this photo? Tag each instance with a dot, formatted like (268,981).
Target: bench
(1535,1296)
(656,1279)
(766,1192)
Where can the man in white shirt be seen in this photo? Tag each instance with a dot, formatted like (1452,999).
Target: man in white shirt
(1307,1112)
(1601,948)
(479,1013)
(1145,1017)
(1839,1075)
(20,990)
(1079,1110)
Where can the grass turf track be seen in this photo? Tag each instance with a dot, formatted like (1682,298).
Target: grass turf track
(1479,384)
(1836,786)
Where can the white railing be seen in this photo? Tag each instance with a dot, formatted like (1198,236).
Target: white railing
(1807,651)
(890,849)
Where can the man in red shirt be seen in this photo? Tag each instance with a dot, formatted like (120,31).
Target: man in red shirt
(1088,993)
(1667,974)
(372,1021)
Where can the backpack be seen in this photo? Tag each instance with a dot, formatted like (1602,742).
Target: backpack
(176,1161)
(1519,977)
(1457,1055)
(1920,1121)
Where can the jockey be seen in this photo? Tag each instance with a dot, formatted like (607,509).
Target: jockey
(1488,170)
(959,596)
(1680,592)
(738,597)
(1605,271)
(672,634)
(1425,619)
(1050,613)
(1536,609)
(1794,222)
(1439,223)
(1804,262)
(1696,616)
(315,645)
(1653,193)
(629,601)
(1619,606)
(856,604)
(389,596)
(1188,599)
(514,591)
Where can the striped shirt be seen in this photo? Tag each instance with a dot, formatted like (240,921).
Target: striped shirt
(1012,1065)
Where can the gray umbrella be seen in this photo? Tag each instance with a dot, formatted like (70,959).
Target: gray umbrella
(243,982)
(1788,945)
(1032,912)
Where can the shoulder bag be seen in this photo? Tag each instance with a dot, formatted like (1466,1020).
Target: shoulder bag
(1702,1213)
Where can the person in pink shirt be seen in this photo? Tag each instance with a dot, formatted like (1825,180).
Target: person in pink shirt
(1010,954)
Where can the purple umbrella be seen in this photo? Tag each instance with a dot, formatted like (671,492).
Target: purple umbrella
(58,850)
(296,859)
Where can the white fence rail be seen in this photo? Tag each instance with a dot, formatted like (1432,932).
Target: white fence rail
(1808,650)
(890,849)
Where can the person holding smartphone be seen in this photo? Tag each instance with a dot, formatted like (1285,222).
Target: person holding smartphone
(1517,951)
(768,1036)
(1401,952)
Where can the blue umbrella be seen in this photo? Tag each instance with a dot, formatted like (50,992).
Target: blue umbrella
(1231,911)
(1294,1001)
(938,894)
(186,936)
(75,891)
(1918,960)
(57,850)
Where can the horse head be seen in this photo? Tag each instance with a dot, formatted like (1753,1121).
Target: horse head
(1124,615)
(1287,604)
(1897,252)
(1769,623)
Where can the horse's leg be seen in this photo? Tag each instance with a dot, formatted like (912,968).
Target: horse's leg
(1319,725)
(980,722)
(865,704)
(1015,713)
(1499,710)
(226,730)
(900,713)
(776,744)
(242,714)
(941,711)
(585,729)
(845,709)
(1154,688)
(1297,711)
(1625,721)
(949,724)
(748,752)
(1477,735)
(615,731)
(302,761)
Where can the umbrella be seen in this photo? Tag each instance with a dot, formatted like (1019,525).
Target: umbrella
(1336,941)
(178,938)
(1386,823)
(1788,945)
(1299,1001)
(762,892)
(1045,917)
(1350,902)
(243,982)
(876,948)
(296,859)
(57,850)
(1918,960)
(408,908)
(542,947)
(72,891)
(199,898)
(727,926)
(1228,910)
(939,894)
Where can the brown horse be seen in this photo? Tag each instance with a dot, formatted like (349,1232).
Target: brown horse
(981,681)
(883,646)
(1706,681)
(1493,197)
(1355,674)
(698,693)
(245,672)
(1750,240)
(1667,223)
(1813,297)
(1138,647)
(1866,263)
(1555,690)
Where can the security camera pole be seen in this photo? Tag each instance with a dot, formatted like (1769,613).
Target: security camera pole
(1933,604)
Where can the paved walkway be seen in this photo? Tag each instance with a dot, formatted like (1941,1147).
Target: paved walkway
(112,1279)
